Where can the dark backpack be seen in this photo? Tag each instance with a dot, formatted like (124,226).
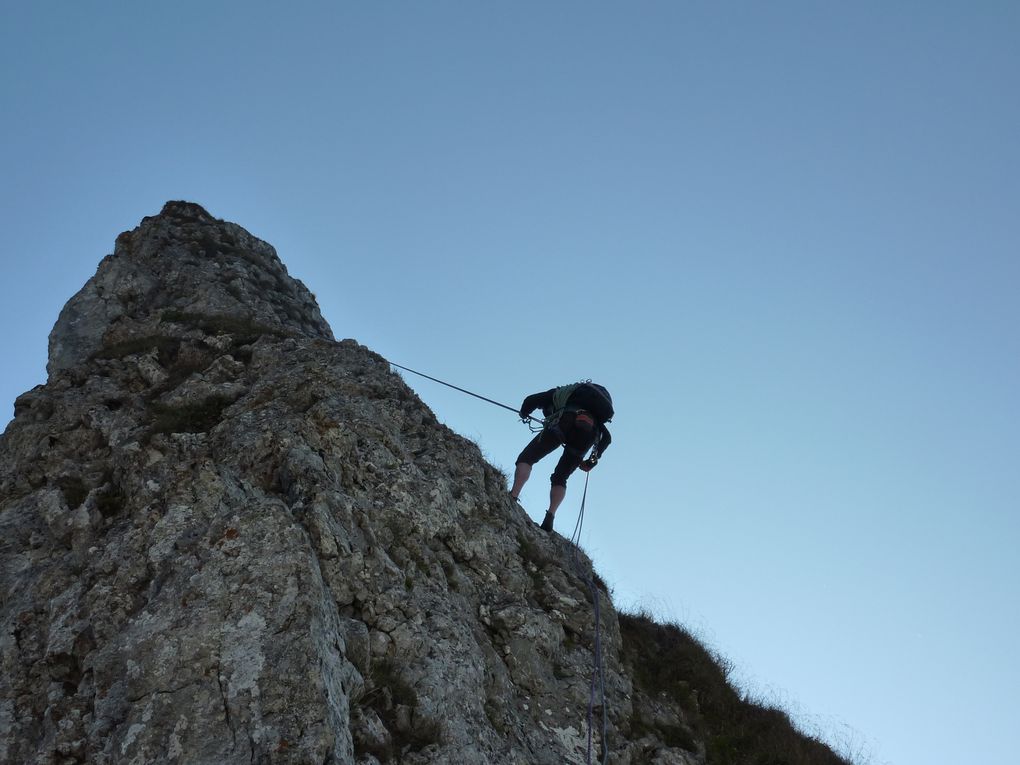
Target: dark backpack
(589,396)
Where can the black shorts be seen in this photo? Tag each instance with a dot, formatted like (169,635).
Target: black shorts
(575,442)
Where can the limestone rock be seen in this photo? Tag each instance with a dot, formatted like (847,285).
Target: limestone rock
(181,264)
(227,538)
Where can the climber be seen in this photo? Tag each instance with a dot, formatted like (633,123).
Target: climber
(575,418)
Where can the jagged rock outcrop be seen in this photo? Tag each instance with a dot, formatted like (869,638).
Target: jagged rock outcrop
(182,263)
(227,538)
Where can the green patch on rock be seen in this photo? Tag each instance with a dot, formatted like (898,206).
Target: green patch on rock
(396,703)
(166,348)
(242,330)
(199,417)
(74,489)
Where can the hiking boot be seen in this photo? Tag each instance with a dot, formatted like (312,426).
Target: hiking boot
(547,523)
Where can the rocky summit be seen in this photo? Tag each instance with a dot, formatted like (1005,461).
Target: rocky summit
(226,537)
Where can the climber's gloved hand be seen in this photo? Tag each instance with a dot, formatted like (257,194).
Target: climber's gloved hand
(588,464)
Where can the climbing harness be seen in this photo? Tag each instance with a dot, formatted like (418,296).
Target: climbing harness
(595,400)
(598,672)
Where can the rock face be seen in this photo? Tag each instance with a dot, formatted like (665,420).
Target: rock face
(227,538)
(182,261)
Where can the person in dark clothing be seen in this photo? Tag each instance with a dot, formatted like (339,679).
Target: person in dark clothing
(575,418)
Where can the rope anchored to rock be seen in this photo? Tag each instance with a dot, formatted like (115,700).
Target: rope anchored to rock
(532,421)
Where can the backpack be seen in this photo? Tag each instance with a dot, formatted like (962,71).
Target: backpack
(586,395)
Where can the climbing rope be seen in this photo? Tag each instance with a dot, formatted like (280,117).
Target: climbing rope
(598,672)
(533,422)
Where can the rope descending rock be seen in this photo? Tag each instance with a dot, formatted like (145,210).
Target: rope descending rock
(598,672)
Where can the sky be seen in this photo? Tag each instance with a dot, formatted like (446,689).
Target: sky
(784,235)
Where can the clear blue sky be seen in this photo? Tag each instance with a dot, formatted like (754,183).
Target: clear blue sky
(785,235)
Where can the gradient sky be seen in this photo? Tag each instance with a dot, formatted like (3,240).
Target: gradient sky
(785,235)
